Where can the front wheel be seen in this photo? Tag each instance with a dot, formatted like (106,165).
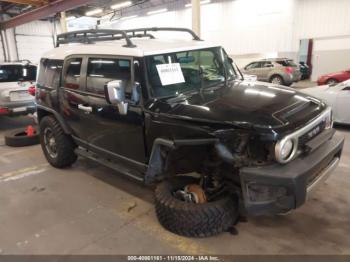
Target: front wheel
(58,147)
(332,82)
(182,216)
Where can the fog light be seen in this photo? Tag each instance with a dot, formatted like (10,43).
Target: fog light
(262,193)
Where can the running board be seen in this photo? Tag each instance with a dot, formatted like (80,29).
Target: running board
(112,165)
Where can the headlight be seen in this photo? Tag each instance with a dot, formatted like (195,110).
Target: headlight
(329,120)
(285,150)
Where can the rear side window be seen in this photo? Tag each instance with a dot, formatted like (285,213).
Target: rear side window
(287,63)
(103,70)
(15,73)
(50,73)
(267,64)
(72,75)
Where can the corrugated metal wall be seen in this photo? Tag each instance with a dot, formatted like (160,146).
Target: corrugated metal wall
(34,39)
(241,26)
(2,55)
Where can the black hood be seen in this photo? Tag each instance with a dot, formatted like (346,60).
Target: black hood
(246,104)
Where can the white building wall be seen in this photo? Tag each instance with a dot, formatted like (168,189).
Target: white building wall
(34,39)
(250,29)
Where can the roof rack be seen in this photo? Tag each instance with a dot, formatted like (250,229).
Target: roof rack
(98,35)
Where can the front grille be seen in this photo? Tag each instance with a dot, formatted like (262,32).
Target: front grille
(311,134)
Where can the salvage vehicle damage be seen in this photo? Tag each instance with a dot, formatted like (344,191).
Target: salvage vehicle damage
(238,153)
(183,118)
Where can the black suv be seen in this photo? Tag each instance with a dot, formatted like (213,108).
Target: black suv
(178,114)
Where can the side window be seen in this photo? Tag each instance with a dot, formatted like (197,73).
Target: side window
(267,64)
(72,75)
(253,65)
(103,70)
(50,73)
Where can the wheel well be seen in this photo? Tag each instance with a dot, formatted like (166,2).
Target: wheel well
(330,79)
(274,75)
(42,113)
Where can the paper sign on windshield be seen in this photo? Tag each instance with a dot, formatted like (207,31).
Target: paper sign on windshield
(170,74)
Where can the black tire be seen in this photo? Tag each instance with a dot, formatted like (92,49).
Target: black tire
(64,155)
(332,82)
(277,79)
(18,138)
(190,219)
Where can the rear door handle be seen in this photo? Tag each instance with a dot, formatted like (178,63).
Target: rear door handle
(87,109)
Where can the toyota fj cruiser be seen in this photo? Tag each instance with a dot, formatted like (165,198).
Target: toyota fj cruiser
(179,114)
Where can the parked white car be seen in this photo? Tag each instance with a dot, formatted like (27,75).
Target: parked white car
(15,80)
(338,97)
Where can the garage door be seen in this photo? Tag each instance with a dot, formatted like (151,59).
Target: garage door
(33,40)
(330,55)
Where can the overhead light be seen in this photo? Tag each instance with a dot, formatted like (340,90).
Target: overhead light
(94,12)
(121,5)
(128,17)
(157,11)
(70,18)
(203,2)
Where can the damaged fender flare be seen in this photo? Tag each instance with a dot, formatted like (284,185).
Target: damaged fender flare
(156,164)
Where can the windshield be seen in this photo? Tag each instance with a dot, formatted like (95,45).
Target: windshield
(175,73)
(15,73)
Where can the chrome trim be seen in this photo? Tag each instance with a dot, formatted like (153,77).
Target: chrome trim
(295,137)
(325,174)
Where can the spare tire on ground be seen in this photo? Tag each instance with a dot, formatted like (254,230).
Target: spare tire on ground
(20,137)
(192,219)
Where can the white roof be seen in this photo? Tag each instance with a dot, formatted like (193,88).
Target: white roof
(144,47)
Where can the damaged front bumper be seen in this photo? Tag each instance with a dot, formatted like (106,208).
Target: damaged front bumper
(280,188)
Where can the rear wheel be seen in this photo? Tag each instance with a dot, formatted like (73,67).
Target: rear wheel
(188,213)
(57,146)
(277,80)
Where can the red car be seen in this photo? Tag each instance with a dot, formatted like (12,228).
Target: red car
(334,78)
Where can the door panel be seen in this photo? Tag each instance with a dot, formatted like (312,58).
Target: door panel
(72,96)
(113,134)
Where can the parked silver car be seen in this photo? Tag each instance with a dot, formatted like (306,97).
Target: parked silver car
(281,71)
(15,80)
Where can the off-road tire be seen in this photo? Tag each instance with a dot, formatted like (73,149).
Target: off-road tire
(65,145)
(190,219)
(19,138)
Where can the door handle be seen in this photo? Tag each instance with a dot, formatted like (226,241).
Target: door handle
(87,109)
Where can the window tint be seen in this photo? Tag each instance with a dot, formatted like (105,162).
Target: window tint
(50,73)
(72,76)
(103,70)
(14,73)
(286,63)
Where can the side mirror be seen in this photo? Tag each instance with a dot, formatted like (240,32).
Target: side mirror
(230,60)
(115,95)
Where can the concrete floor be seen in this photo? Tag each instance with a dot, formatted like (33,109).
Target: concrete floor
(88,209)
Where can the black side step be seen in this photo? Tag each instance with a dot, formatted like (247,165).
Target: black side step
(112,165)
